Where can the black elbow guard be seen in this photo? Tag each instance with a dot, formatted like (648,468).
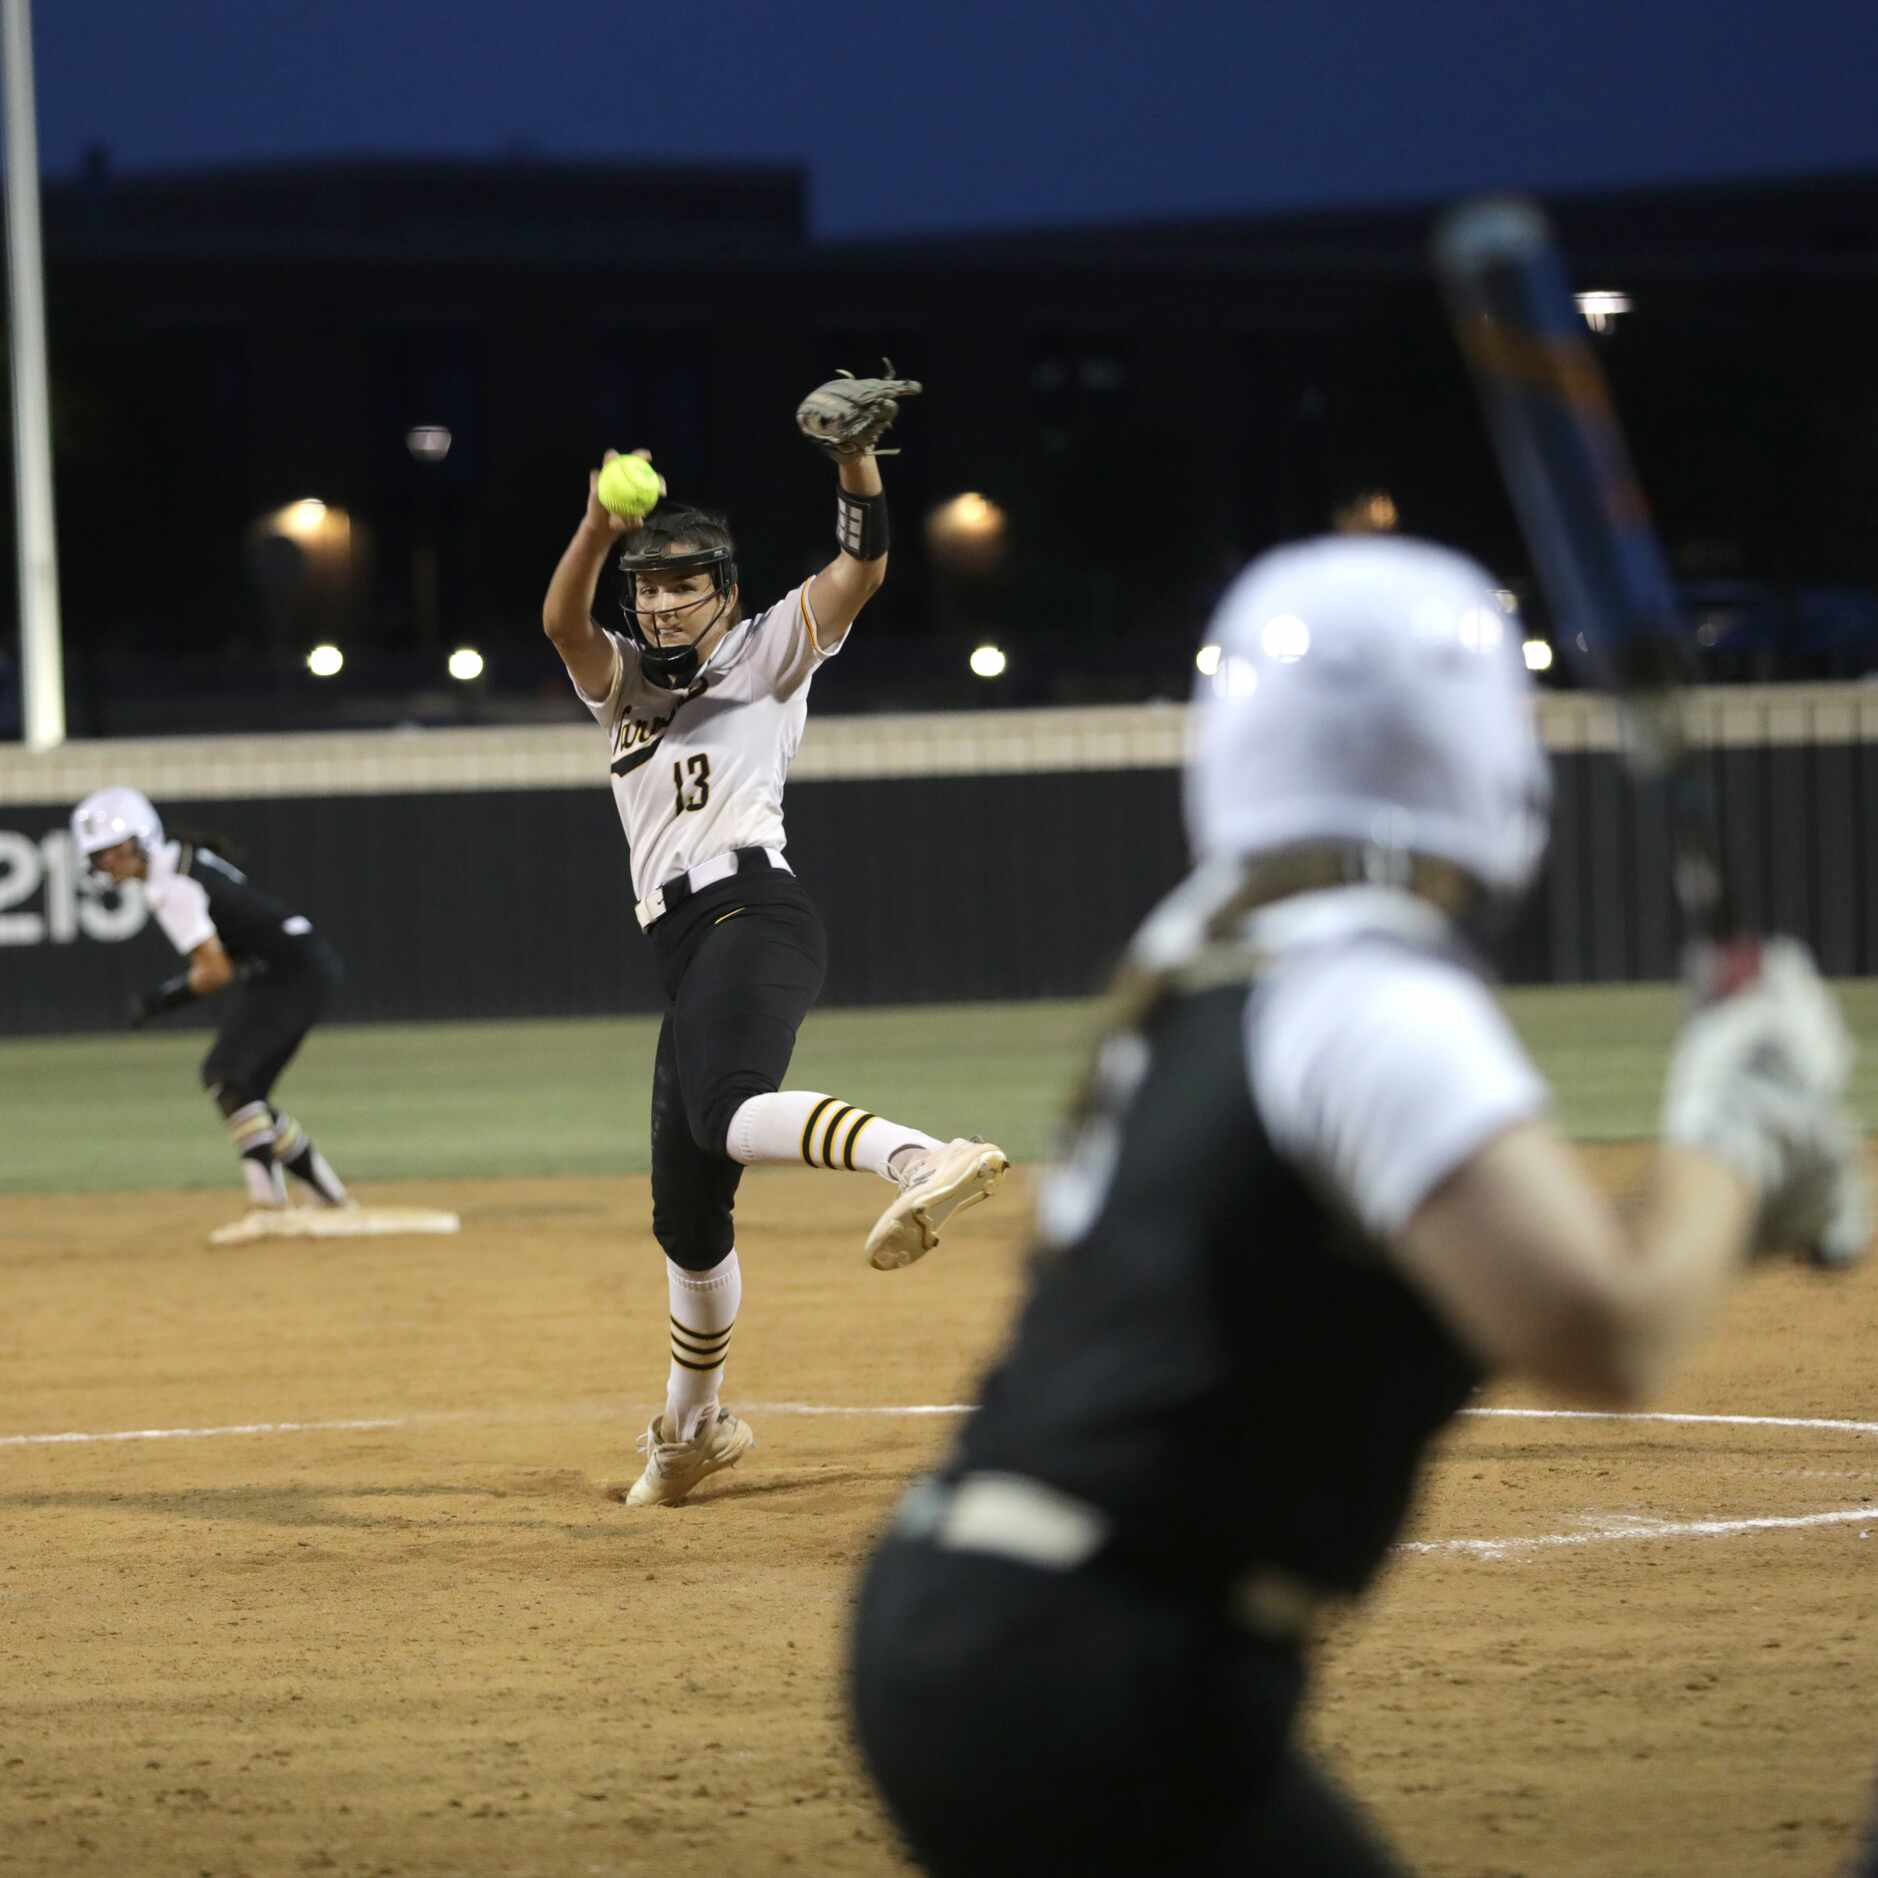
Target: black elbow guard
(861,525)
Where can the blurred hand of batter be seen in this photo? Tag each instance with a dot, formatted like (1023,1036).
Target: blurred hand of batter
(1757,1079)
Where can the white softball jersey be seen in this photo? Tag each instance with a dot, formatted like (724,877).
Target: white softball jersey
(180,903)
(197,896)
(1381,1068)
(701,773)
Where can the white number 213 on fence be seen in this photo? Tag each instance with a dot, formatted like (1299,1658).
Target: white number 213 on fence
(74,903)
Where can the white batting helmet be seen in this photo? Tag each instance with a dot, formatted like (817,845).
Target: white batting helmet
(108,816)
(1370,689)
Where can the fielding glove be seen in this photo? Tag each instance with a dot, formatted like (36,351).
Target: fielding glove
(848,416)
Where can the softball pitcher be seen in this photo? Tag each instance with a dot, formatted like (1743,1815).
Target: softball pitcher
(704,709)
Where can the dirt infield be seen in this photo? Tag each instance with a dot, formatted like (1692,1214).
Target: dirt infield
(355,1602)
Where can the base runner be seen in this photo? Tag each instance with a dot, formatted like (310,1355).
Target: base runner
(277,970)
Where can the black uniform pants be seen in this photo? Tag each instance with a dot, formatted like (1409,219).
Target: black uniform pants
(1023,1722)
(266,1019)
(740,963)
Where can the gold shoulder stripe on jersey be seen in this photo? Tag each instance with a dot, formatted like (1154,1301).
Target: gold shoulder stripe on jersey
(807,611)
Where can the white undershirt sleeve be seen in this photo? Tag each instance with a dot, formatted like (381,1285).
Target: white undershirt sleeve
(1381,1070)
(182,910)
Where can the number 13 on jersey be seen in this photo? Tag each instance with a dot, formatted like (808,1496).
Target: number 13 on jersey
(691,782)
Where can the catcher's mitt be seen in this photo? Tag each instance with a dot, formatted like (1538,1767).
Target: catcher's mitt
(848,416)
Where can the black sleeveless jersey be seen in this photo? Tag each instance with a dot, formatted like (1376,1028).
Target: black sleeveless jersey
(256,930)
(1216,1357)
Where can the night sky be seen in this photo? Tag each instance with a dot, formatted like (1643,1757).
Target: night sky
(984,113)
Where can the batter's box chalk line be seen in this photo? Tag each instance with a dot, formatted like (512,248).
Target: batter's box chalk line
(1609,1528)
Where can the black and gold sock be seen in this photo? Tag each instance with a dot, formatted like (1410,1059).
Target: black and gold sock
(704,1308)
(295,1151)
(823,1130)
(251,1129)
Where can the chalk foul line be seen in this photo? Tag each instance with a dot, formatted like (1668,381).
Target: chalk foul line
(78,1437)
(196,1434)
(83,1437)
(1593,1529)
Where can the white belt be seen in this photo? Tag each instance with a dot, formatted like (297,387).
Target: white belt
(1008,1515)
(1014,1517)
(681,887)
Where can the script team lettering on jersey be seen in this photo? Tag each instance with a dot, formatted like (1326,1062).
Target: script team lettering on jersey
(700,775)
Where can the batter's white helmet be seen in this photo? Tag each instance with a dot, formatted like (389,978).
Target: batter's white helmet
(108,816)
(1370,689)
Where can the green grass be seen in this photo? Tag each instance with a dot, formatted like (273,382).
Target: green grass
(570,1097)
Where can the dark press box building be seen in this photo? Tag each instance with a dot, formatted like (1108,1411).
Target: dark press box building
(282,350)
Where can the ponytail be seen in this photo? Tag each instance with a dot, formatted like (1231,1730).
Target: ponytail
(230,851)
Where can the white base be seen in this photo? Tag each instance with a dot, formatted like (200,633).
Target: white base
(332,1222)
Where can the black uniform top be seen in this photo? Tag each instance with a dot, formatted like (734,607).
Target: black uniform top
(1218,1359)
(196,894)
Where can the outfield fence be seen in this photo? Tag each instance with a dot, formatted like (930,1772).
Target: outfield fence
(480,872)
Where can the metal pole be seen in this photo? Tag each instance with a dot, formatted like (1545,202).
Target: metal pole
(41,651)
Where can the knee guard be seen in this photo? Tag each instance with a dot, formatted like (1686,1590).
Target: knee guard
(694,1227)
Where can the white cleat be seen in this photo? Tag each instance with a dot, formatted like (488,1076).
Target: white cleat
(673,1468)
(935,1185)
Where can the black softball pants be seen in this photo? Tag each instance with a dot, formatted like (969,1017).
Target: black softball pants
(266,1021)
(741,964)
(1023,1722)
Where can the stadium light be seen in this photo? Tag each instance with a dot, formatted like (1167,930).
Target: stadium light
(967,533)
(428,443)
(970,514)
(1538,655)
(1371,512)
(304,518)
(1601,307)
(466,663)
(1206,661)
(988,662)
(325,661)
